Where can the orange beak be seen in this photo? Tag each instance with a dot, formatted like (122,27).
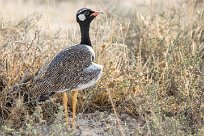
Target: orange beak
(96,13)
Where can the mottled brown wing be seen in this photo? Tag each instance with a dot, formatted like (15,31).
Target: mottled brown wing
(63,71)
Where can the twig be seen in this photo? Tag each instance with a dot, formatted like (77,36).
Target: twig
(114,110)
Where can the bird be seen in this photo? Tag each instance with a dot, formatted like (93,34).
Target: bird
(72,69)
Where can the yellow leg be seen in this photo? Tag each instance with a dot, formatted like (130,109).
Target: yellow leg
(74,101)
(65,101)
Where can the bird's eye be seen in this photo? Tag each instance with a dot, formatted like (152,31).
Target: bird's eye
(87,13)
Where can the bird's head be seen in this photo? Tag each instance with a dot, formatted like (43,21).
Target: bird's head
(86,15)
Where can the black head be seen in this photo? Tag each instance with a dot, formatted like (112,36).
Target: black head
(85,15)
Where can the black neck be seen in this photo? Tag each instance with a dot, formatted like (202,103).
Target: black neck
(85,39)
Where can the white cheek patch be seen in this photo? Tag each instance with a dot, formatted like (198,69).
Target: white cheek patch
(81,17)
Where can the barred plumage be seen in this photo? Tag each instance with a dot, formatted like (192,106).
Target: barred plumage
(69,70)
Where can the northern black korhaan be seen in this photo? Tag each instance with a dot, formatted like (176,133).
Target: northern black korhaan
(72,69)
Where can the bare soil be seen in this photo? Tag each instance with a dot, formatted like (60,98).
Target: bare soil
(104,124)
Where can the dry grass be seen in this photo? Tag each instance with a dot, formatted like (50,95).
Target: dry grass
(153,69)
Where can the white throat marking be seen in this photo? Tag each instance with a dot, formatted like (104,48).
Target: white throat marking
(81,17)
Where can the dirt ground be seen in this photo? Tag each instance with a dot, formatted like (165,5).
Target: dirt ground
(94,124)
(104,123)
